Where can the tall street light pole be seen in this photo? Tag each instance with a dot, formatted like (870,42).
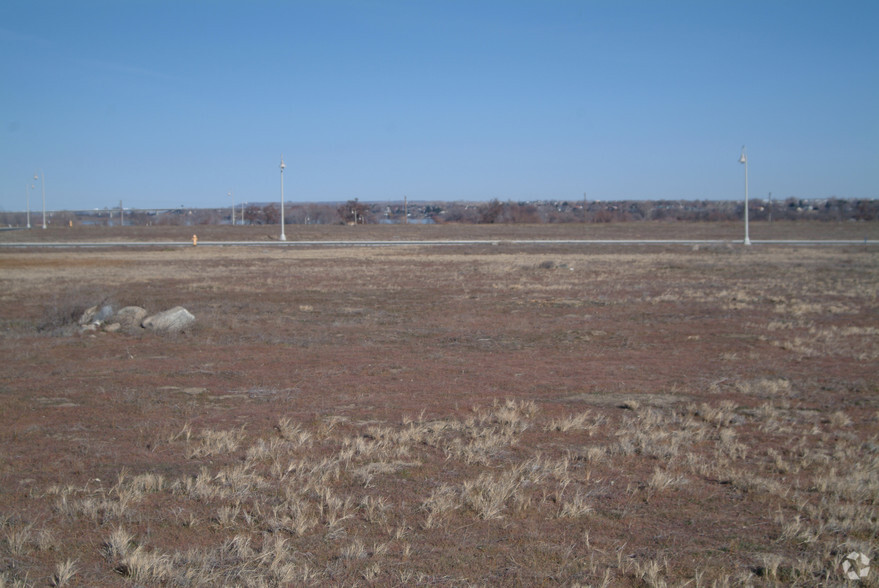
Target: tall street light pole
(283,236)
(744,159)
(43,185)
(29,187)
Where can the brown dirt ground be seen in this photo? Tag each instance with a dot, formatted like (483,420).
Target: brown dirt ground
(748,375)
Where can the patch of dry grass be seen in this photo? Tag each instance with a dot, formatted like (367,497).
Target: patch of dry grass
(269,491)
(663,418)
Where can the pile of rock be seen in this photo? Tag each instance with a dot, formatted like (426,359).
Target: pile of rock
(132,319)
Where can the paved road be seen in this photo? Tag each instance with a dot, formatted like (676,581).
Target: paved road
(489,242)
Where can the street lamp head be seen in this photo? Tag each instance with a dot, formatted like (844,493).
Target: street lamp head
(283,166)
(743,158)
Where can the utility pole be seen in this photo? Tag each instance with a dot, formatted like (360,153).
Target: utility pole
(744,159)
(29,187)
(43,186)
(283,236)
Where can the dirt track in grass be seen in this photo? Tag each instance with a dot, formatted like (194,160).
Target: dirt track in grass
(492,415)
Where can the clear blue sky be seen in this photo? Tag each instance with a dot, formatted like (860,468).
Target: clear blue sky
(168,103)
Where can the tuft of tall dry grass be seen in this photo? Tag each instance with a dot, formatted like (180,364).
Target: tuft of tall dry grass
(317,504)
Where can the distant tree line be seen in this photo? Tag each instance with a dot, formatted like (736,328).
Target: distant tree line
(557,211)
(494,211)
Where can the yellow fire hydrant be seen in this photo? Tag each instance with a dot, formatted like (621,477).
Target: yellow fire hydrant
(194,240)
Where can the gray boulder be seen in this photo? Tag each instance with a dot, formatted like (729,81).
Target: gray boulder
(130,317)
(96,315)
(171,321)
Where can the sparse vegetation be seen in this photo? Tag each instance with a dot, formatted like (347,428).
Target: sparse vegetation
(446,417)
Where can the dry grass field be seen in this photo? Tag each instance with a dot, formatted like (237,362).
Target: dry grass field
(455,416)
